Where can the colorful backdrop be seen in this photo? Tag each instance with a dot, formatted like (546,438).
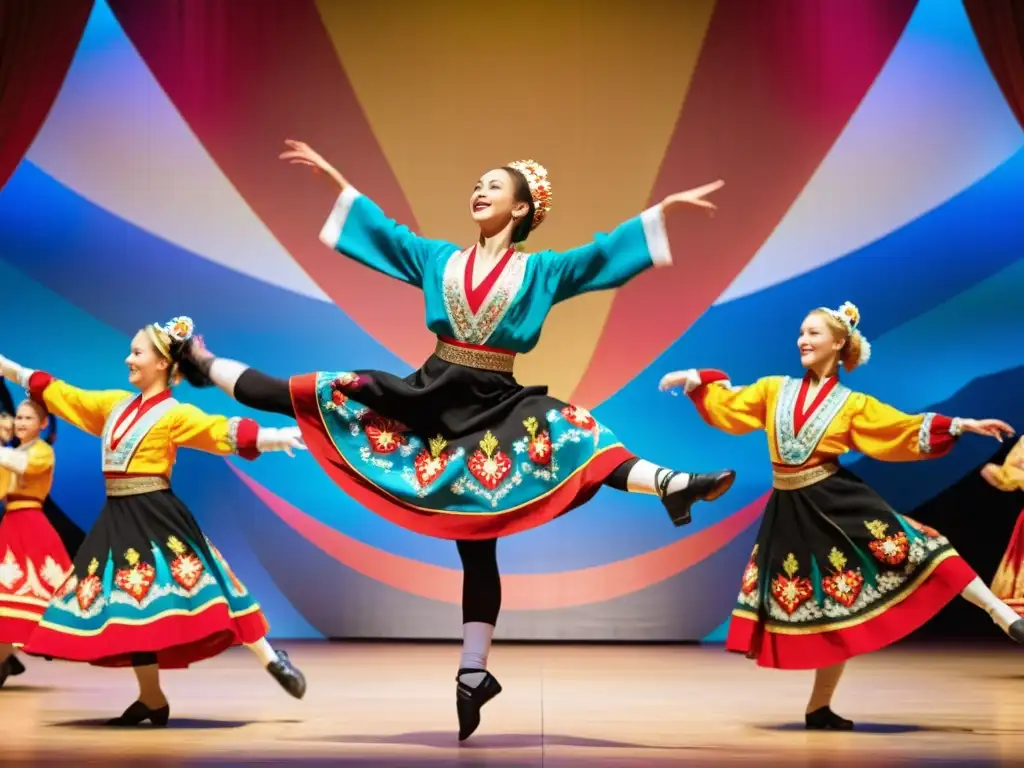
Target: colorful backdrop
(868,156)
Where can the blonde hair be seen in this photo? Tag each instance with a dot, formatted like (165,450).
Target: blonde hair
(855,350)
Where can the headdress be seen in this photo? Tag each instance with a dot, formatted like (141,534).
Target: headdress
(849,317)
(179,330)
(540,188)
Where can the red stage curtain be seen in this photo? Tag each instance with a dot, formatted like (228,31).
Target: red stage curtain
(38,39)
(999,27)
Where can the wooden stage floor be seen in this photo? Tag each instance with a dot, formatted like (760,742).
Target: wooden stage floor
(630,706)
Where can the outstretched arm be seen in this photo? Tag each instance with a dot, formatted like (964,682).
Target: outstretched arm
(87,410)
(888,434)
(359,229)
(612,259)
(192,428)
(736,410)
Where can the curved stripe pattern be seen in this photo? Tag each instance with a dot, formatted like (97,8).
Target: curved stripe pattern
(114,137)
(934,112)
(780,122)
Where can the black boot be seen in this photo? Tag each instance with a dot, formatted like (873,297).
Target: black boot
(825,719)
(139,713)
(15,667)
(5,670)
(288,675)
(702,487)
(470,699)
(1015,631)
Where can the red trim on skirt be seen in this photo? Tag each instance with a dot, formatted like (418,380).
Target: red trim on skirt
(575,491)
(177,641)
(823,649)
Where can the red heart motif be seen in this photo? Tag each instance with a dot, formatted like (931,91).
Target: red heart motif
(187,569)
(136,580)
(843,587)
(892,550)
(790,593)
(429,467)
(539,449)
(489,470)
(579,417)
(88,590)
(385,435)
(750,574)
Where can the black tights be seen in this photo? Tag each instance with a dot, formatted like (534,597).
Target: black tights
(481,581)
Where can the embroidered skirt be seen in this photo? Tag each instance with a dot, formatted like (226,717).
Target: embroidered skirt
(146,579)
(452,451)
(33,564)
(835,573)
(1008,583)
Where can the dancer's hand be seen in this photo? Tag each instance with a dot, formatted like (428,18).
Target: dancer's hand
(987,427)
(300,153)
(694,196)
(689,380)
(285,439)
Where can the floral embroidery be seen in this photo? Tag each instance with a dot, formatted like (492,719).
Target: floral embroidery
(186,568)
(69,586)
(539,447)
(488,464)
(579,417)
(52,573)
(137,578)
(476,329)
(843,586)
(891,550)
(795,448)
(791,590)
(750,574)
(11,572)
(430,464)
(385,435)
(90,587)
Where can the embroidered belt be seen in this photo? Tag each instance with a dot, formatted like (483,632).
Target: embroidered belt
(15,503)
(135,486)
(791,481)
(483,358)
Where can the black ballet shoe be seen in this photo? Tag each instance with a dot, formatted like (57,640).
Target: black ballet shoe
(288,675)
(139,713)
(470,699)
(702,487)
(1015,631)
(824,719)
(15,667)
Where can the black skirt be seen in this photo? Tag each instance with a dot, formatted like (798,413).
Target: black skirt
(836,572)
(454,451)
(147,580)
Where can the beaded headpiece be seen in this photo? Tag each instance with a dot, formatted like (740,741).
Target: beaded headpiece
(849,316)
(180,329)
(540,188)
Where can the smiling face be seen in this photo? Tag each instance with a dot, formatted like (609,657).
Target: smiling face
(29,422)
(146,366)
(494,201)
(818,343)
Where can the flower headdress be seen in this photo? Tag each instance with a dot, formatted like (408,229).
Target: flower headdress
(540,188)
(178,330)
(849,316)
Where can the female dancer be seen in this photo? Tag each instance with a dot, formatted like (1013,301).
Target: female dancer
(1008,583)
(835,571)
(33,560)
(147,588)
(460,450)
